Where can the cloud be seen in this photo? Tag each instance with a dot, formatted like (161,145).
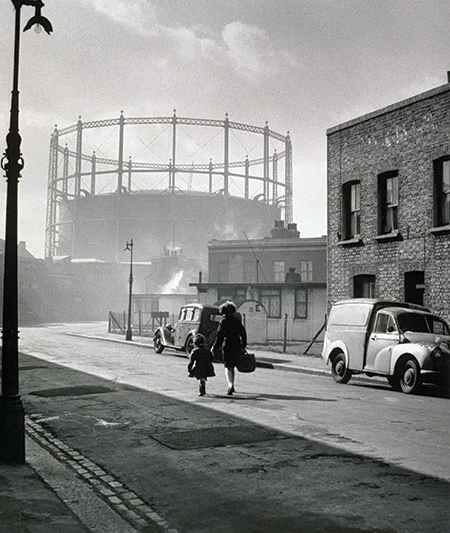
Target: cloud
(250,50)
(137,14)
(244,49)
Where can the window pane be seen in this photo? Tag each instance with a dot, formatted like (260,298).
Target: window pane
(354,224)
(392,326)
(271,299)
(301,303)
(446,209)
(354,205)
(351,204)
(446,176)
(446,192)
(391,219)
(382,322)
(278,271)
(224,294)
(239,294)
(392,191)
(306,270)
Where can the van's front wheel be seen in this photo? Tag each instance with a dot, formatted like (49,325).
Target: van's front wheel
(410,377)
(339,369)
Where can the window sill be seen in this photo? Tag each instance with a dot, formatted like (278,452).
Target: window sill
(392,236)
(440,230)
(351,242)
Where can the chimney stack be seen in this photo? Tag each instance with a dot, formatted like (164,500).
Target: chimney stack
(448,76)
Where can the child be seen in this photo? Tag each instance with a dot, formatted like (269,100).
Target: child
(200,363)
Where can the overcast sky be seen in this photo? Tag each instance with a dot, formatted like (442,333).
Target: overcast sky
(302,65)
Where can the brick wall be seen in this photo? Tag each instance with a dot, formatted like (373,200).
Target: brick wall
(405,137)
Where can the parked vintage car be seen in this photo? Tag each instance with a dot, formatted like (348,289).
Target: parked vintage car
(193,318)
(404,342)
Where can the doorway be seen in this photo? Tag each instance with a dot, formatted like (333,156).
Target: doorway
(414,286)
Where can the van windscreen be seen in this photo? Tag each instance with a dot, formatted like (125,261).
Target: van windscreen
(350,315)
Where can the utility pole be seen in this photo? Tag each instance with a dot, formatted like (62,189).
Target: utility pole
(12,415)
(129,334)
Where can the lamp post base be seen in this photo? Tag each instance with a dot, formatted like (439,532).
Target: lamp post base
(128,335)
(12,430)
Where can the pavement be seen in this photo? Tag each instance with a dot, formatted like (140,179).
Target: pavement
(62,490)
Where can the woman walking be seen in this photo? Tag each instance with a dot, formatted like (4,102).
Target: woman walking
(231,338)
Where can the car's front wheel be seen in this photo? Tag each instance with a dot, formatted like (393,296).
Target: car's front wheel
(339,369)
(157,343)
(409,376)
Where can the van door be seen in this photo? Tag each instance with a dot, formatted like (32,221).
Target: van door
(383,337)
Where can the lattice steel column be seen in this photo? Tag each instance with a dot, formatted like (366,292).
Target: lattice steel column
(93,172)
(266,163)
(120,164)
(226,147)
(274,175)
(210,170)
(65,185)
(130,172)
(78,157)
(174,151)
(247,172)
(50,233)
(288,211)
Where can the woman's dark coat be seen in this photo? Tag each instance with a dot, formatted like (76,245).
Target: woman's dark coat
(232,336)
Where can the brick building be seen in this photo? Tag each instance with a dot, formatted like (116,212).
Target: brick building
(389,203)
(278,283)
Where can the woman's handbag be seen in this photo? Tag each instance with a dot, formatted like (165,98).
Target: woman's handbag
(245,362)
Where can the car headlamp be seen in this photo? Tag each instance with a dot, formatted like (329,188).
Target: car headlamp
(437,353)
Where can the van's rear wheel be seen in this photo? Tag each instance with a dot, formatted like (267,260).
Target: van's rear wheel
(409,376)
(339,369)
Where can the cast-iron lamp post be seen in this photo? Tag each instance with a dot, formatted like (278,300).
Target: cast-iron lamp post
(12,416)
(128,333)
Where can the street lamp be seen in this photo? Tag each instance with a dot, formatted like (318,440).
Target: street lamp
(128,333)
(12,416)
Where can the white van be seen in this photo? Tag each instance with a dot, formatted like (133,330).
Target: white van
(403,342)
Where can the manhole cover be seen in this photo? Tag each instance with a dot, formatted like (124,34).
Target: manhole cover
(72,391)
(214,436)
